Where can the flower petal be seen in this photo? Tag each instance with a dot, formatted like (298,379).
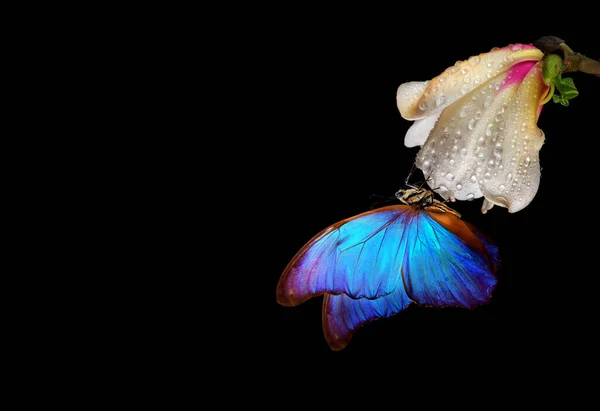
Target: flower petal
(409,93)
(452,158)
(417,133)
(417,100)
(518,146)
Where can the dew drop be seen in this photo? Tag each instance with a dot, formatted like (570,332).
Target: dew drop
(464,90)
(481,141)
(441,100)
(423,105)
(524,127)
(470,196)
(477,80)
(426,165)
(527,161)
(463,112)
(463,152)
(498,149)
(490,64)
(491,163)
(478,115)
(472,124)
(502,125)
(501,187)
(508,177)
(466,79)
(464,71)
(455,150)
(487,176)
(489,130)
(459,186)
(516,47)
(450,176)
(475,60)
(487,102)
(473,179)
(452,162)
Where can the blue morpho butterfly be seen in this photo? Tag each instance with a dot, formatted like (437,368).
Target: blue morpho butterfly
(375,264)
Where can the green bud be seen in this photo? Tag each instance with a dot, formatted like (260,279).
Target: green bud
(551,67)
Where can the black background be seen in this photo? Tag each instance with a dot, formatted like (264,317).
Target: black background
(330,136)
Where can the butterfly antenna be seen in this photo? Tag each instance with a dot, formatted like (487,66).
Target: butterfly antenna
(381,200)
(412,170)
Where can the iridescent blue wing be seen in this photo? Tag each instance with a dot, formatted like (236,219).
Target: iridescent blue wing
(343,316)
(446,262)
(450,263)
(360,256)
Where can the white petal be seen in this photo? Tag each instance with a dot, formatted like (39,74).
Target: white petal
(416,101)
(417,133)
(515,185)
(408,94)
(454,155)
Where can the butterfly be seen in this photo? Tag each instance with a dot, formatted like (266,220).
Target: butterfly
(377,263)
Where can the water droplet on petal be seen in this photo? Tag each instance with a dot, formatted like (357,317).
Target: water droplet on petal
(475,60)
(487,176)
(473,179)
(490,64)
(426,165)
(464,90)
(487,102)
(501,187)
(463,152)
(470,196)
(423,105)
(452,162)
(516,47)
(466,79)
(480,142)
(459,186)
(527,161)
(472,124)
(464,71)
(508,177)
(463,112)
(450,176)
(441,100)
(489,130)
(502,125)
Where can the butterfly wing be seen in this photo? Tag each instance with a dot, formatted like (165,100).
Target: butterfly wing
(343,316)
(360,256)
(450,263)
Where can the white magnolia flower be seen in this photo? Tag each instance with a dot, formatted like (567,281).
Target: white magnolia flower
(476,124)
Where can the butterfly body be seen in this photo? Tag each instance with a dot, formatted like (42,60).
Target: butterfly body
(375,264)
